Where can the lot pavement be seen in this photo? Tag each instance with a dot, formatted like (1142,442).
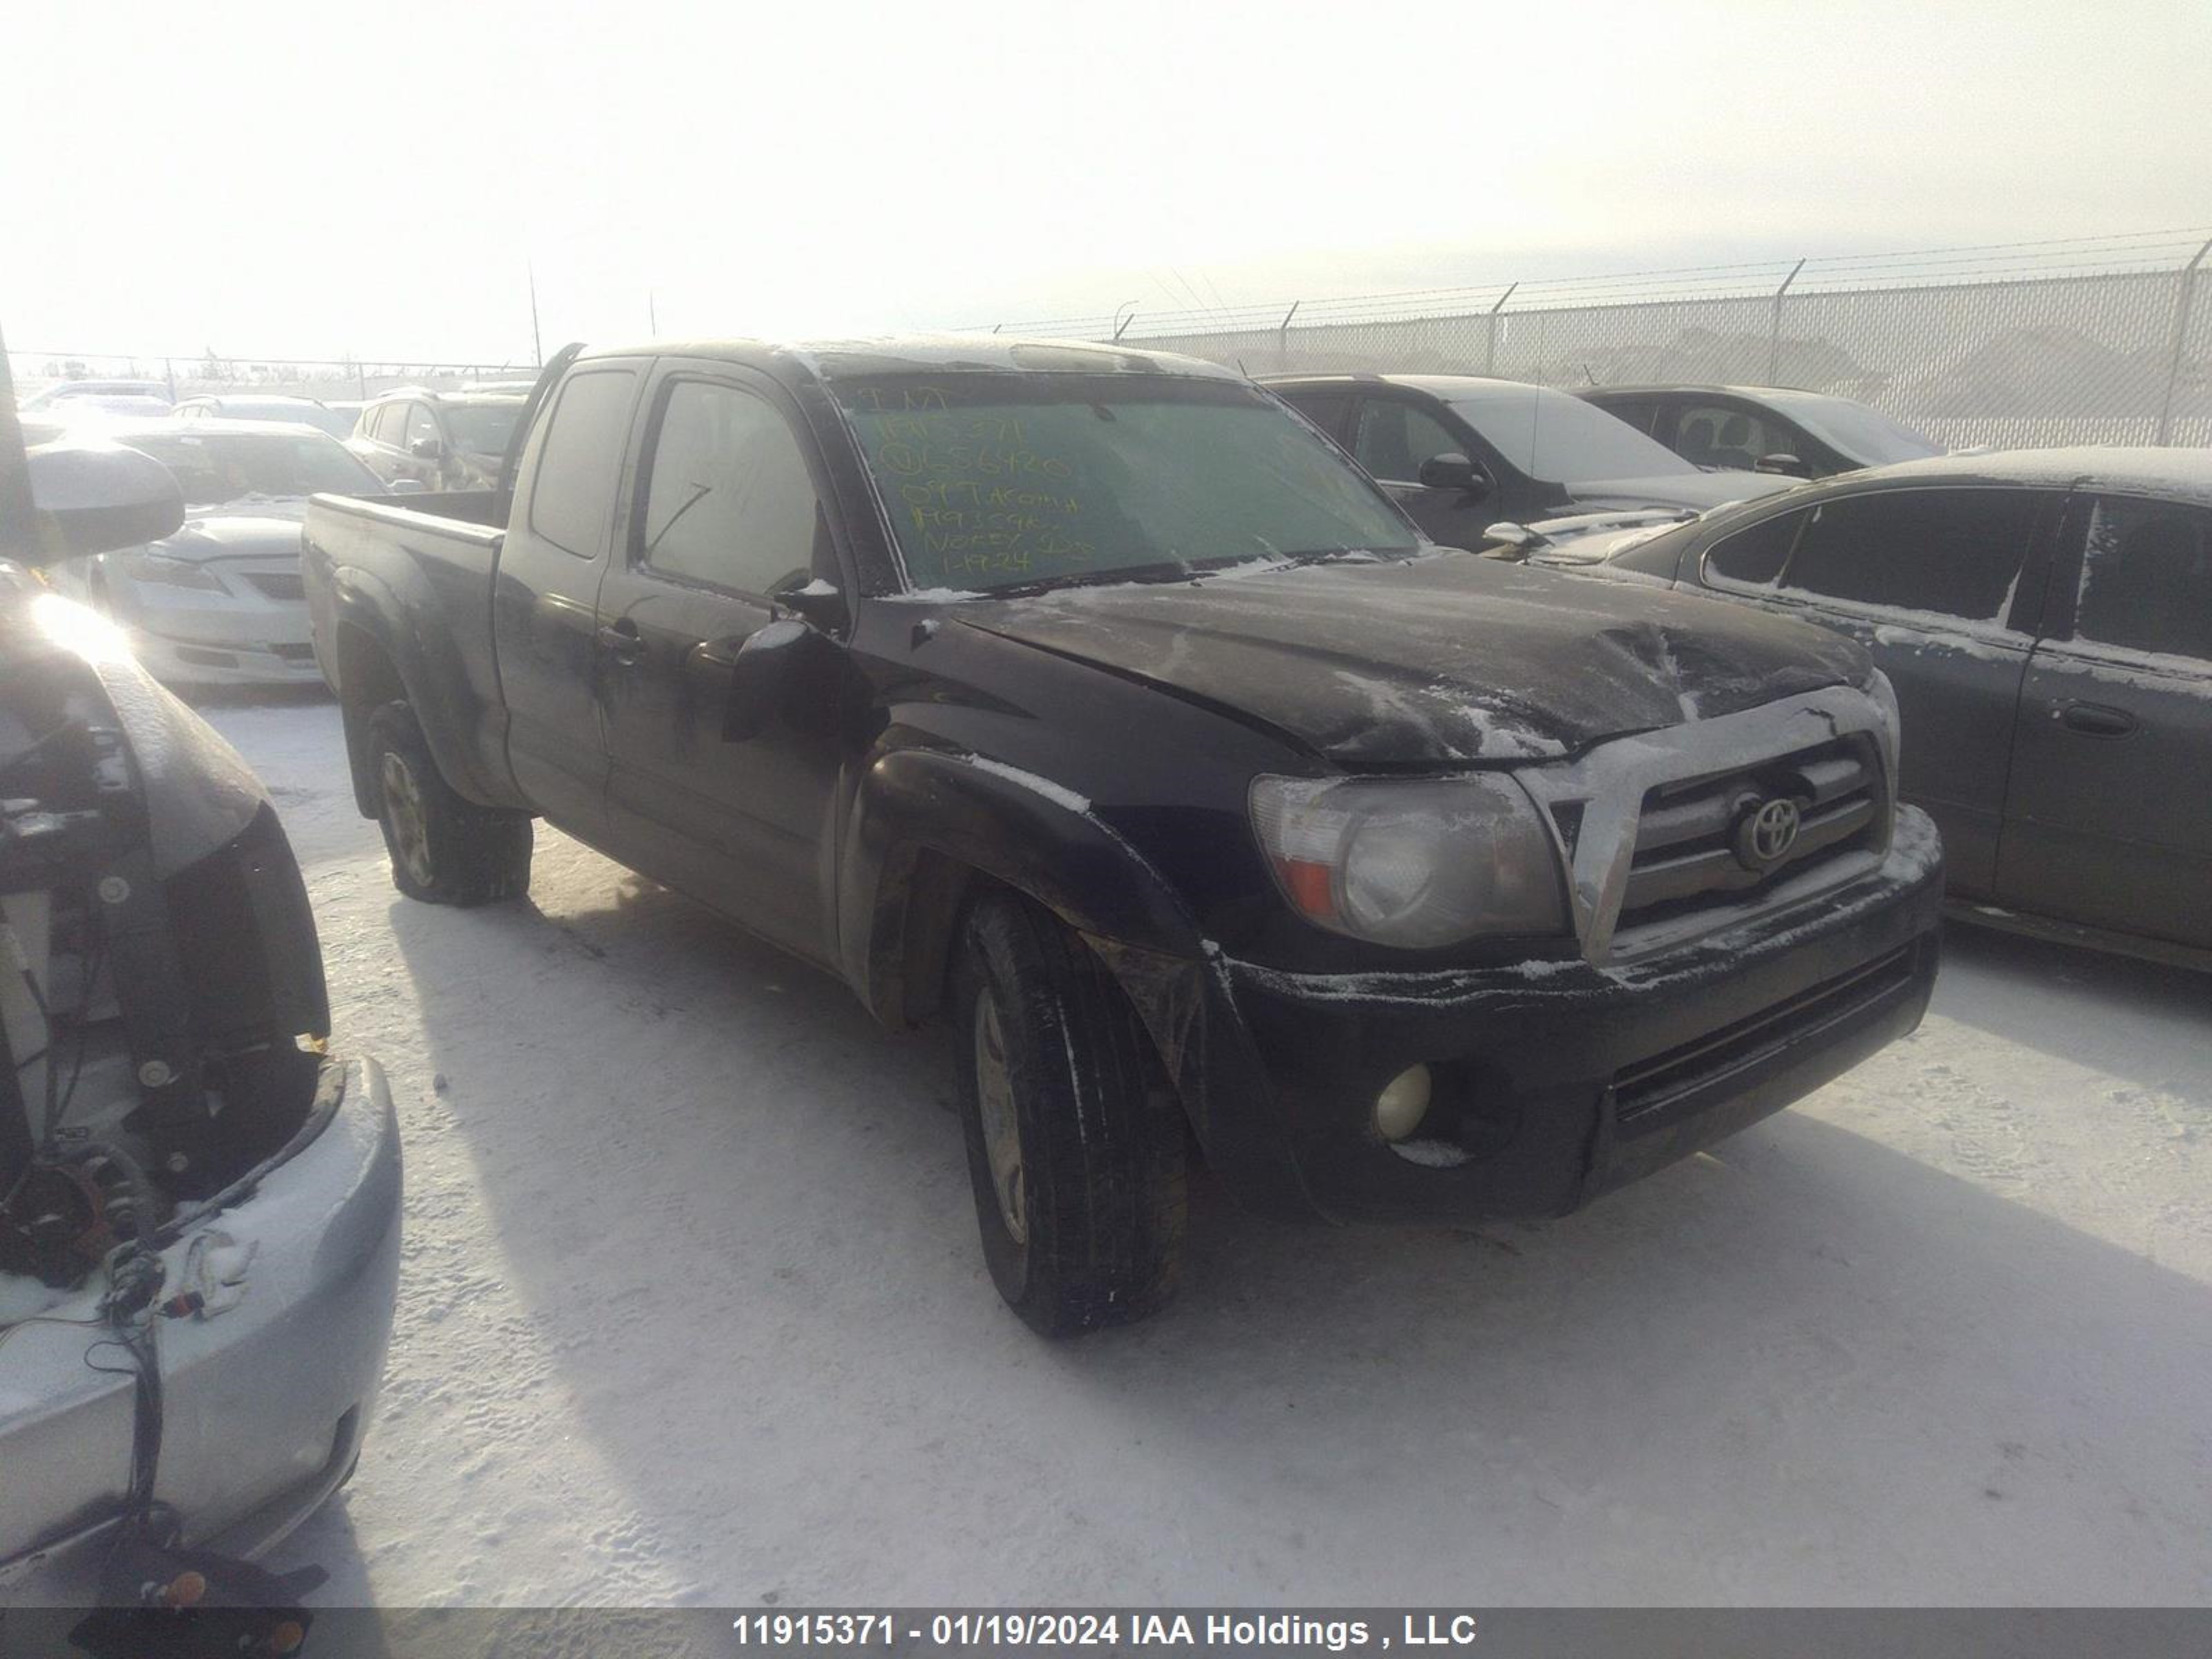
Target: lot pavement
(693,1310)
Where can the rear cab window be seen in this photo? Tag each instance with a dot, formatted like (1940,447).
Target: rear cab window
(571,487)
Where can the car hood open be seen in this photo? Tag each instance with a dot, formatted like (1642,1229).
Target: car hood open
(1445,658)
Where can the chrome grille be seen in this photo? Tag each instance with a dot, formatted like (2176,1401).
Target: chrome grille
(1686,836)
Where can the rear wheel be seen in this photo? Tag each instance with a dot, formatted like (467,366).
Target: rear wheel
(444,850)
(1075,1140)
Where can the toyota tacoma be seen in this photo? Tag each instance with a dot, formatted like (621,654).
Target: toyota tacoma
(1091,701)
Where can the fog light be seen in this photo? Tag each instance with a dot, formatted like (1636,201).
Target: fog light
(1403,1104)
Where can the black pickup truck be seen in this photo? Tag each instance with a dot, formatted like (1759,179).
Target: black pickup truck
(1093,701)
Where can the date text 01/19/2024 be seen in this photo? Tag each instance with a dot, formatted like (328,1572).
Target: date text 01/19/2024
(1082,1630)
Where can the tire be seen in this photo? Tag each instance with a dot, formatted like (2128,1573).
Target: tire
(444,850)
(1086,1228)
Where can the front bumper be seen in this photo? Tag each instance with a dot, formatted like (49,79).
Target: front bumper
(263,1404)
(1555,1082)
(241,636)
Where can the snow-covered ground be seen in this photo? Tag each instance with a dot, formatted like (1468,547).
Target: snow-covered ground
(692,1309)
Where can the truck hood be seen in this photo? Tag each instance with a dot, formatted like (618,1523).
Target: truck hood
(1448,658)
(1694,490)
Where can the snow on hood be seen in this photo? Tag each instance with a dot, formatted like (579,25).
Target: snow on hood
(1696,490)
(1449,658)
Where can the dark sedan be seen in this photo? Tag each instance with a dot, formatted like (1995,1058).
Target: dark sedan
(1461,453)
(1802,435)
(2046,618)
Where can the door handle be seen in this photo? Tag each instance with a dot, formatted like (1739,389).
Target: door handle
(2093,720)
(622,642)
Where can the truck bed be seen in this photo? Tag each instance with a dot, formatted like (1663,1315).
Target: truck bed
(420,568)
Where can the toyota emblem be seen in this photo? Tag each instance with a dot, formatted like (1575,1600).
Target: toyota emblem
(1766,832)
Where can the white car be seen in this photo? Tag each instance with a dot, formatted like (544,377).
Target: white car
(218,602)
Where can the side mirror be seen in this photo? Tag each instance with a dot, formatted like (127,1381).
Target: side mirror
(1789,465)
(1453,471)
(822,603)
(762,674)
(427,449)
(94,497)
(409,487)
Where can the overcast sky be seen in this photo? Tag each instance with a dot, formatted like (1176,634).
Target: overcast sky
(295,180)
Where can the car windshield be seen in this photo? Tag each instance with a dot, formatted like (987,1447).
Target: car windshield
(1864,434)
(212,468)
(1012,480)
(482,429)
(1556,439)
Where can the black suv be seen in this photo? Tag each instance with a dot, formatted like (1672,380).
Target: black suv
(1461,453)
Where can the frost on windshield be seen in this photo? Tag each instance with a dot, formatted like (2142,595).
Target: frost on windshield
(991,481)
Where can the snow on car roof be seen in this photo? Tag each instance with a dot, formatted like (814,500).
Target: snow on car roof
(2179,472)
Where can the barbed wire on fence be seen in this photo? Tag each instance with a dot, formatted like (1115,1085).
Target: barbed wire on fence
(2086,340)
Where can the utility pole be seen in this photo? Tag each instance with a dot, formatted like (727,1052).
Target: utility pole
(653,313)
(537,345)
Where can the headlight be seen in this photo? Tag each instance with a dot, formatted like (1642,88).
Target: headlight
(1885,697)
(169,572)
(1412,862)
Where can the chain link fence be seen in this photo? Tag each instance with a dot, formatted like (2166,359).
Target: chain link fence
(2103,341)
(328,380)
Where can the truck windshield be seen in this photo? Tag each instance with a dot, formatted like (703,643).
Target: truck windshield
(1010,480)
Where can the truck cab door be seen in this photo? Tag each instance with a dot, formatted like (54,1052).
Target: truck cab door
(545,621)
(726,515)
(2107,823)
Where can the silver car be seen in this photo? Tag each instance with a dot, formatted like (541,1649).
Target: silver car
(218,602)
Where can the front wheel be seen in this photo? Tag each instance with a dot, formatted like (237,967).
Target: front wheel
(1076,1142)
(444,850)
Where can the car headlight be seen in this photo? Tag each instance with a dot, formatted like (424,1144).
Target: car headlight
(169,572)
(1411,862)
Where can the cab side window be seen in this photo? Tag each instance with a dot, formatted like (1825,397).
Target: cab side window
(571,489)
(728,499)
(2146,578)
(1394,438)
(421,423)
